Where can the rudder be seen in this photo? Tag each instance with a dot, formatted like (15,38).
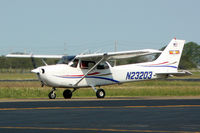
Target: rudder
(172,53)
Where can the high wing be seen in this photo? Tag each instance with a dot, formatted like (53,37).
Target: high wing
(109,55)
(34,56)
(118,55)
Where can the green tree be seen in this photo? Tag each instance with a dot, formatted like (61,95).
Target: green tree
(23,63)
(190,56)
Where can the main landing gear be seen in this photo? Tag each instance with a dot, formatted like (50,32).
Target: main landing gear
(100,93)
(67,94)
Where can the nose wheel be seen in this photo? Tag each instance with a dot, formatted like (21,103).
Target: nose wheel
(52,94)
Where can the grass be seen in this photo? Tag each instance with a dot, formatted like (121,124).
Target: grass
(143,88)
(17,76)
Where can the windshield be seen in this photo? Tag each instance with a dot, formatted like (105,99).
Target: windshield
(65,59)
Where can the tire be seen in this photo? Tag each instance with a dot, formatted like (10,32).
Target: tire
(100,93)
(67,94)
(52,95)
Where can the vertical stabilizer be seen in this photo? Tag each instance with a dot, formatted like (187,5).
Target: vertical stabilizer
(170,57)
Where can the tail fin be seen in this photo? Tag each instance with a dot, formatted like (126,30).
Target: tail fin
(171,54)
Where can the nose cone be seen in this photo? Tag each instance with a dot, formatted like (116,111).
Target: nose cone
(35,70)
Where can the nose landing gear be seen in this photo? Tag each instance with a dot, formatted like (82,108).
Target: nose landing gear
(52,94)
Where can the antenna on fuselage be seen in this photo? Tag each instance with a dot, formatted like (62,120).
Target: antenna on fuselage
(65,48)
(116,42)
(115,49)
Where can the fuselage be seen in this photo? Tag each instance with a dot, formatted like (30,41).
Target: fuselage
(63,75)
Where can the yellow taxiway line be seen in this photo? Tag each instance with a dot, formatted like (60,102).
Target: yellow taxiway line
(96,129)
(100,107)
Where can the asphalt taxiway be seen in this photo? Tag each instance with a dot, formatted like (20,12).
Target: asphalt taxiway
(96,115)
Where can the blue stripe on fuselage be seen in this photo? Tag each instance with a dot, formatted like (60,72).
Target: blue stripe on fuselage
(161,66)
(92,77)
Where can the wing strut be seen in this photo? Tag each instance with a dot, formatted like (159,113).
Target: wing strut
(104,56)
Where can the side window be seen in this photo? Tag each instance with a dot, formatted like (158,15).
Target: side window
(103,65)
(75,63)
(87,64)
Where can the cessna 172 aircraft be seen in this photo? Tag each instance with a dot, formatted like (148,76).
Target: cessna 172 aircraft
(93,70)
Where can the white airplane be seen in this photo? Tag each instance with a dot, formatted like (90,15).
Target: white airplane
(93,70)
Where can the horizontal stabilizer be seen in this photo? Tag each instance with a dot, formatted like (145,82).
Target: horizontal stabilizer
(181,73)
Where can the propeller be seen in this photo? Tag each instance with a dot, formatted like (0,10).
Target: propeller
(33,61)
(36,69)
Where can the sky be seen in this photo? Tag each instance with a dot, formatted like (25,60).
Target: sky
(77,26)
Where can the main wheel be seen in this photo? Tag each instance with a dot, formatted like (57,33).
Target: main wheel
(67,94)
(100,93)
(52,95)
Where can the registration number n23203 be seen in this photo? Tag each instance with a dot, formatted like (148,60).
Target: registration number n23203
(139,75)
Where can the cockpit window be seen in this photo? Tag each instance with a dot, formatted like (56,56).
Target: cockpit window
(87,64)
(75,63)
(90,64)
(103,65)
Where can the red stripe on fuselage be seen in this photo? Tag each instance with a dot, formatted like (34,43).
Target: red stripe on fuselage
(159,63)
(82,75)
